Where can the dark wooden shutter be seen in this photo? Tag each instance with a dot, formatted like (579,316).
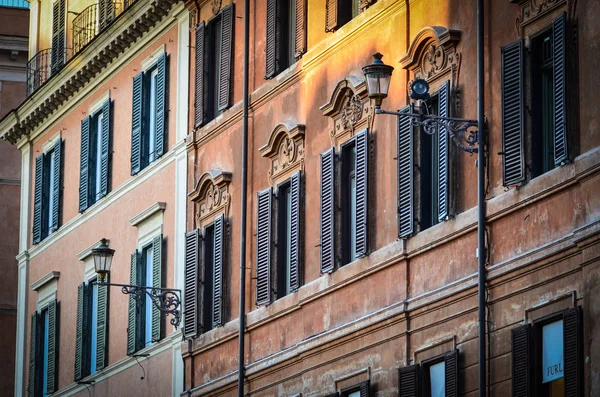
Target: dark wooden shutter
(443,152)
(263,248)
(331,18)
(105,158)
(405,174)
(219,240)
(199,77)
(513,126)
(52,346)
(295,226)
(37,199)
(136,125)
(271,40)
(190,290)
(227,26)
(107,13)
(56,204)
(408,384)
(573,352)
(157,283)
(520,361)
(451,373)
(33,359)
(300,29)
(79,332)
(364,388)
(327,211)
(84,163)
(132,320)
(161,105)
(362,196)
(58,36)
(102,327)
(559,71)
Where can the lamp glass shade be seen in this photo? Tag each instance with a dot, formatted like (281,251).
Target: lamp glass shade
(103,257)
(378,77)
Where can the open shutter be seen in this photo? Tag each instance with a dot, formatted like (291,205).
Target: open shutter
(79,332)
(513,126)
(84,164)
(58,35)
(405,174)
(33,348)
(408,384)
(331,18)
(52,347)
(263,248)
(37,199)
(56,187)
(227,25)
(300,29)
(136,125)
(364,388)
(104,160)
(520,361)
(161,105)
(219,237)
(132,326)
(362,176)
(271,41)
(295,226)
(157,283)
(102,327)
(451,375)
(443,152)
(327,211)
(559,72)
(107,13)
(190,291)
(573,352)
(199,77)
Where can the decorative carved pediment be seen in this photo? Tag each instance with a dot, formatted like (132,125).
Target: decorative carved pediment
(537,14)
(285,148)
(211,196)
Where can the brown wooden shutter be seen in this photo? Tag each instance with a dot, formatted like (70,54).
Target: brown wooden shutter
(218,251)
(263,248)
(573,352)
(190,289)
(331,15)
(327,211)
(199,77)
(451,373)
(520,361)
(408,383)
(300,29)
(271,40)
(227,27)
(295,226)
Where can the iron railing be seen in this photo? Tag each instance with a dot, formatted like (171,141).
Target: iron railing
(39,69)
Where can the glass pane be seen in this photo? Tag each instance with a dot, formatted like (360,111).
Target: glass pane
(94,333)
(354,394)
(152,118)
(148,257)
(552,352)
(437,379)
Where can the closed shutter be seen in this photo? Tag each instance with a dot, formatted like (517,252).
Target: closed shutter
(37,199)
(513,126)
(33,348)
(58,35)
(56,204)
(263,248)
(327,211)
(295,226)
(271,41)
(157,283)
(405,174)
(136,125)
(132,320)
(443,152)
(219,234)
(105,157)
(199,77)
(107,13)
(84,165)
(300,31)
(227,26)
(364,388)
(573,352)
(52,346)
(451,373)
(559,71)
(79,359)
(102,327)
(362,193)
(520,361)
(408,384)
(161,105)
(190,291)
(331,18)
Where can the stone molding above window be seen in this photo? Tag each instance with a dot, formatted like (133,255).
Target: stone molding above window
(211,197)
(350,109)
(537,14)
(434,349)
(285,149)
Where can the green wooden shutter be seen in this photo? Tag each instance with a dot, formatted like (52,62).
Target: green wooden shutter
(132,321)
(331,17)
(227,27)
(520,361)
(218,251)
(271,42)
(199,77)
(451,373)
(362,193)
(513,124)
(52,346)
(559,72)
(157,283)
(295,226)
(33,359)
(56,204)
(81,309)
(327,211)
(84,165)
(263,248)
(161,105)
(102,327)
(573,352)
(190,289)
(443,151)
(408,385)
(37,199)
(58,35)
(300,29)
(405,174)
(105,158)
(136,125)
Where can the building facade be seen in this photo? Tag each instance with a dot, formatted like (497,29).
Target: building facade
(102,138)
(361,260)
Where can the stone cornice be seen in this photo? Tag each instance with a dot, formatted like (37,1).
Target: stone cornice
(45,280)
(147,213)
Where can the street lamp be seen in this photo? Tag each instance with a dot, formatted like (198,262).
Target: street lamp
(167,300)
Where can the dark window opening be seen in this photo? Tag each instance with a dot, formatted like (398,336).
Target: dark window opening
(348,9)
(287,30)
(149,136)
(284,237)
(95,162)
(213,60)
(429,172)
(47,194)
(208,291)
(348,195)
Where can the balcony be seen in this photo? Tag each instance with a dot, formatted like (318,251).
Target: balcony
(41,67)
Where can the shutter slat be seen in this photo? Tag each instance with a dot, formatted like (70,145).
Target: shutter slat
(199,77)
(132,315)
(513,150)
(84,165)
(295,226)
(362,193)
(327,211)
(443,151)
(190,291)
(136,125)
(161,105)
(520,361)
(107,13)
(405,174)
(218,250)
(102,327)
(573,352)
(79,333)
(227,26)
(56,187)
(37,198)
(52,346)
(263,248)
(105,158)
(364,388)
(271,40)
(300,29)
(408,385)
(331,18)
(58,36)
(451,373)
(157,283)
(32,354)
(559,70)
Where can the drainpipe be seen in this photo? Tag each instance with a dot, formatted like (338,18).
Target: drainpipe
(244,202)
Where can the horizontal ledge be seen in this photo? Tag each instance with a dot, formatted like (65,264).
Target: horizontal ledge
(45,280)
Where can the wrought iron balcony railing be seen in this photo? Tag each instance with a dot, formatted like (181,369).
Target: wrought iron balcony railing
(40,69)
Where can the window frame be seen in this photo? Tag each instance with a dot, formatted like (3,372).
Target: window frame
(148,139)
(429,171)
(347,202)
(426,376)
(208,274)
(540,389)
(283,268)
(145,266)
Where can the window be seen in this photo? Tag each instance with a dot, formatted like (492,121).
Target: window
(47,197)
(436,377)
(95,157)
(348,185)
(429,171)
(286,32)
(149,115)
(213,62)
(42,353)
(146,276)
(340,12)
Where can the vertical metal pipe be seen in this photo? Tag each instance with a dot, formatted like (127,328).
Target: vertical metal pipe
(244,202)
(481,164)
